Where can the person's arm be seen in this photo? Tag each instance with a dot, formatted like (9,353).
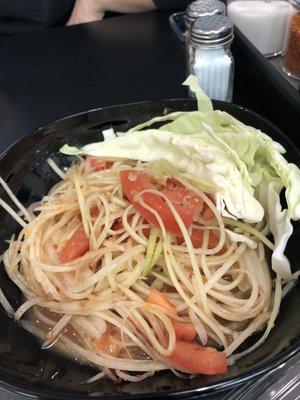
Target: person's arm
(94,10)
(127,6)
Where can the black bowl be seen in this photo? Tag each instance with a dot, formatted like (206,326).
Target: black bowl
(26,369)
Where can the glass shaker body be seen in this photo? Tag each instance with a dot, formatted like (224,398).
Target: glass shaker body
(201,8)
(262,22)
(211,61)
(291,60)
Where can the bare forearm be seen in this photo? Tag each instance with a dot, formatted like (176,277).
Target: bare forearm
(125,6)
(94,10)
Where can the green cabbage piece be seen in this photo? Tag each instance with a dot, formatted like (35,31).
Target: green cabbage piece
(204,102)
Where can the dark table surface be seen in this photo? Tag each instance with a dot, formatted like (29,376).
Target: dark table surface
(49,74)
(46,75)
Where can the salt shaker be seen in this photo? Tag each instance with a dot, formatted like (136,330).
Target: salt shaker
(291,61)
(209,56)
(203,8)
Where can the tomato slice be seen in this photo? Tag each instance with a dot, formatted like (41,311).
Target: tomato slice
(75,247)
(207,213)
(94,213)
(184,331)
(187,204)
(146,232)
(106,344)
(96,163)
(193,203)
(117,224)
(194,359)
(161,300)
(134,182)
(197,239)
(178,194)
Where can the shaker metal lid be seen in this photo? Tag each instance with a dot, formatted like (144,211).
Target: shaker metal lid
(295,3)
(202,8)
(212,30)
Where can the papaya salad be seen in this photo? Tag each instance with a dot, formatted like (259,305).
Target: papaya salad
(159,248)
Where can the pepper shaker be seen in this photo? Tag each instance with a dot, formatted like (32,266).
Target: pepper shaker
(291,60)
(209,56)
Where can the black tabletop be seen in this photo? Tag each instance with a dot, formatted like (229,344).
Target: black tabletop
(45,75)
(49,74)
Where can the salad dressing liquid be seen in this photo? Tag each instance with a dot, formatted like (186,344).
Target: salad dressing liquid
(58,345)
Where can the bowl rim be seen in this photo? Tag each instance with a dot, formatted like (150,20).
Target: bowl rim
(226,384)
(26,389)
(143,103)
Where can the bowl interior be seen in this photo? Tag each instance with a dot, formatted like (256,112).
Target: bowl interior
(27,369)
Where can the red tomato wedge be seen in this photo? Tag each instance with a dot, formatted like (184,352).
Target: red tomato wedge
(106,344)
(96,164)
(184,331)
(75,247)
(94,213)
(207,213)
(197,239)
(117,224)
(134,182)
(146,232)
(178,194)
(194,359)
(161,300)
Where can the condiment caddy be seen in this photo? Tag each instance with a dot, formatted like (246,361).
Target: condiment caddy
(291,60)
(262,22)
